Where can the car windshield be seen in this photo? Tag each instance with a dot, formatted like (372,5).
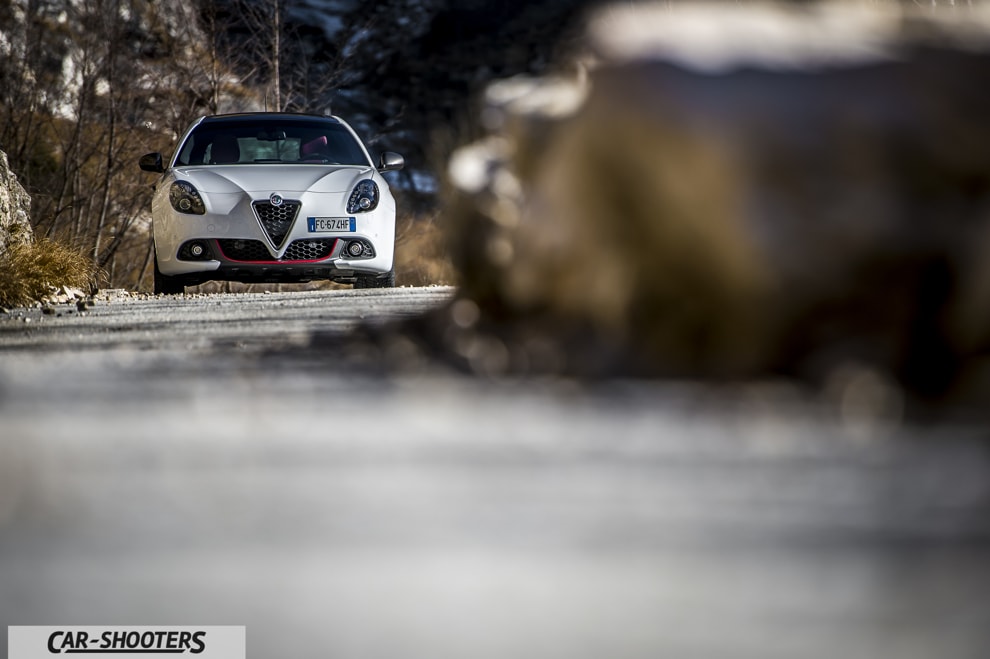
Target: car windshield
(230,143)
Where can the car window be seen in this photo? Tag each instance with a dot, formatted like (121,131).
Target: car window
(221,143)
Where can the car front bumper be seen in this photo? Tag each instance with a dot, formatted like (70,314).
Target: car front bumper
(236,247)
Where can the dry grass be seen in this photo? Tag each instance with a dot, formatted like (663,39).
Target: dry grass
(421,252)
(29,272)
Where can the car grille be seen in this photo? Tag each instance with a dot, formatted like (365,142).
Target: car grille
(255,250)
(309,250)
(276,220)
(245,250)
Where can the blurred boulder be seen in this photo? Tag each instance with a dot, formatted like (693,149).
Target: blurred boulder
(735,192)
(15,209)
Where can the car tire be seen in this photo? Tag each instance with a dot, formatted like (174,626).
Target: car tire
(376,281)
(165,285)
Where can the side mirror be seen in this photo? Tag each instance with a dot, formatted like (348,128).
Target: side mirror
(390,161)
(152,162)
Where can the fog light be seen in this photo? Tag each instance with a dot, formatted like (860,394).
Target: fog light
(355,248)
(194,250)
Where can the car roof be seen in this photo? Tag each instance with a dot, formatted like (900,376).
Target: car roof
(254,116)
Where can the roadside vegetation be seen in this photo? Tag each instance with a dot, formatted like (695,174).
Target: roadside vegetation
(421,251)
(29,272)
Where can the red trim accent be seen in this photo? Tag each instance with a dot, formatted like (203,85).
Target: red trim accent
(224,255)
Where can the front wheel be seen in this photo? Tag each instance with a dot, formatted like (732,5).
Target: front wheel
(376,281)
(165,285)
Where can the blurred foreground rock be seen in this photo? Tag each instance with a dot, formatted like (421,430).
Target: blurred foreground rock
(736,192)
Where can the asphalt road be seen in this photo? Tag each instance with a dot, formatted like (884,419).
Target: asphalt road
(173,461)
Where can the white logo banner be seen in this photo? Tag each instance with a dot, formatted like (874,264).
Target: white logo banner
(212,642)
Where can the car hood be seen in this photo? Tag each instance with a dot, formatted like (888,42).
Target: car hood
(273,178)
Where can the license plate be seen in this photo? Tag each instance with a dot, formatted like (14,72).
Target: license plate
(331,224)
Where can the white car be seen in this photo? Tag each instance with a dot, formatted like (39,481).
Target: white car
(272,197)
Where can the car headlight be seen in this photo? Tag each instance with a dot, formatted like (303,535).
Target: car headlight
(364,198)
(185,198)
